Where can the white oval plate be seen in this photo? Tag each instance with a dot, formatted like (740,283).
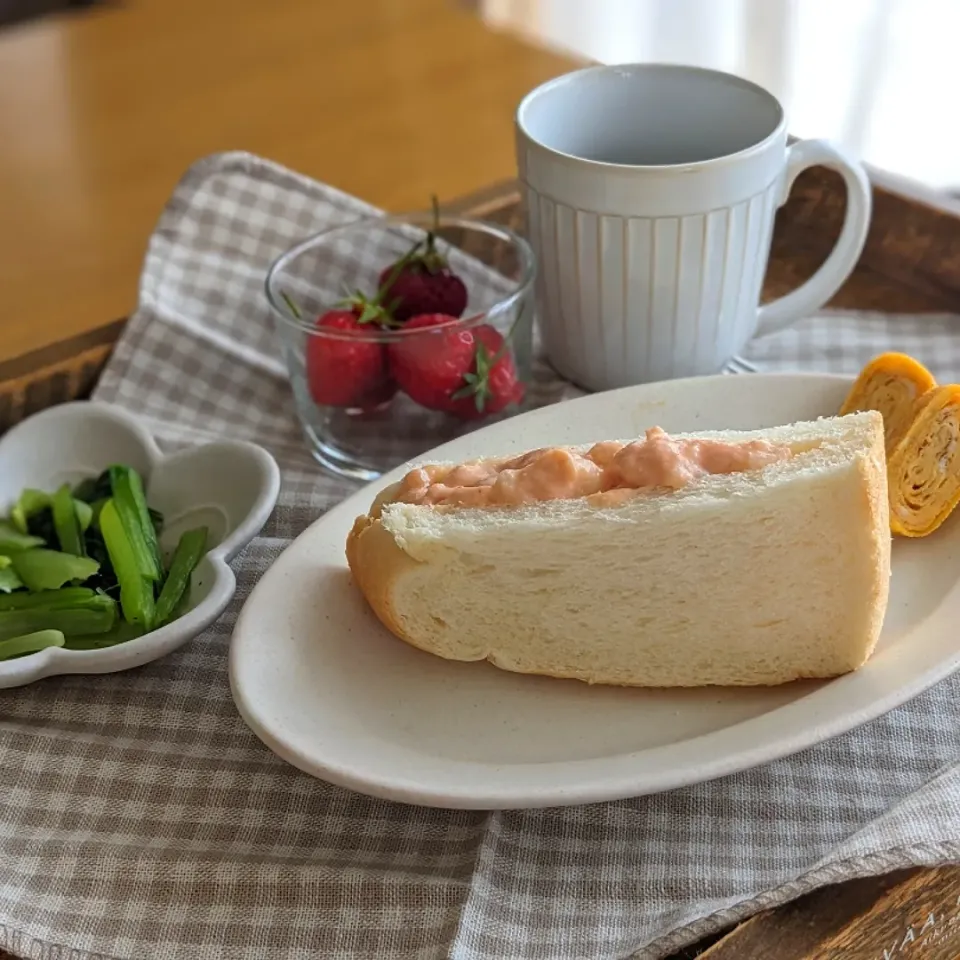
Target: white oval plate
(325,686)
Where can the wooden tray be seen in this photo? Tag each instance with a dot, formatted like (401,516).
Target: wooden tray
(911,264)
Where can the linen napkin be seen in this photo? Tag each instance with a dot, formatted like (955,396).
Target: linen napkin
(141,818)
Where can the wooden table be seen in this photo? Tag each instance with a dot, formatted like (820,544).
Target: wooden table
(100,114)
(391,100)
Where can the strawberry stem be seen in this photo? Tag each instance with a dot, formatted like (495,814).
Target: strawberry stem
(477,381)
(431,259)
(367,310)
(397,269)
(428,260)
(291,306)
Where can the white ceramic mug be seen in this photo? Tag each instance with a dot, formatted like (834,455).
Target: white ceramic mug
(650,193)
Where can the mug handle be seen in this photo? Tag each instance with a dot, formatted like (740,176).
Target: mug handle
(813,294)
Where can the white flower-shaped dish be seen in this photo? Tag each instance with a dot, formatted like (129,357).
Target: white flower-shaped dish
(229,486)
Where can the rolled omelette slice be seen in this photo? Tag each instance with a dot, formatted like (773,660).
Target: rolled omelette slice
(890,384)
(923,471)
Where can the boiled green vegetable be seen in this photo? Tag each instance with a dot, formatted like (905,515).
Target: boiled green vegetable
(127,509)
(29,503)
(66,522)
(132,507)
(50,569)
(84,514)
(136,590)
(13,540)
(190,549)
(30,643)
(89,489)
(95,509)
(97,615)
(82,567)
(121,632)
(9,579)
(65,597)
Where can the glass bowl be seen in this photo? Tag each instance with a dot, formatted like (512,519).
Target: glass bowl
(372,396)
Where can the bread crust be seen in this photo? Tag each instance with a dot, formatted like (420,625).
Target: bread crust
(873,471)
(379,563)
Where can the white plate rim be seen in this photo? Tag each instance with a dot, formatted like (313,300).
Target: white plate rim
(588,787)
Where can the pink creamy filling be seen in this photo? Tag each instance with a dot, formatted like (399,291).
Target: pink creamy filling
(608,472)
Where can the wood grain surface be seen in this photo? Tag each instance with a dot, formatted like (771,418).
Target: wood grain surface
(101,113)
(912,915)
(911,263)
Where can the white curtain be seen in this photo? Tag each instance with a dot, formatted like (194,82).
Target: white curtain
(879,76)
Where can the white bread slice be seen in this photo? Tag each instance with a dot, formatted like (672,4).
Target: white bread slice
(760,577)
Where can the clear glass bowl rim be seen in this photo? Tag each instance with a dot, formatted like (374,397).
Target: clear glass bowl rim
(377,334)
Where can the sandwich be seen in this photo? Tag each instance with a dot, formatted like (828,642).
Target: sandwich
(717,558)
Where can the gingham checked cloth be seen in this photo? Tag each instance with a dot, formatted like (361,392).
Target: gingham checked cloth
(140,818)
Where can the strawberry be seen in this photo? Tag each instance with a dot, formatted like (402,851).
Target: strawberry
(421,282)
(349,370)
(466,372)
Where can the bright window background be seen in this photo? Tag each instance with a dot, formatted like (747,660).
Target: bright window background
(879,76)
